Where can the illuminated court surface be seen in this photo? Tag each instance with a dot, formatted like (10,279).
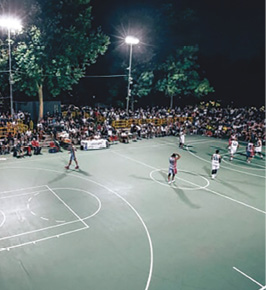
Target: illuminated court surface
(117,224)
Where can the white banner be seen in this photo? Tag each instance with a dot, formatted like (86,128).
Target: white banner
(94,144)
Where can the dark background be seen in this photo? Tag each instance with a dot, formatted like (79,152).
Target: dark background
(230,35)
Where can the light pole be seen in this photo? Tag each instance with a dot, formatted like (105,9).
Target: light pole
(131,40)
(11,24)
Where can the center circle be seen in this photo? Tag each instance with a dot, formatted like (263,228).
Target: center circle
(2,220)
(197,187)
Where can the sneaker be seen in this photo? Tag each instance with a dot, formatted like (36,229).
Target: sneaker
(66,167)
(77,167)
(169,182)
(173,181)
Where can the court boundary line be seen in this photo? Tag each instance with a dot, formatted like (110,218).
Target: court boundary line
(4,219)
(232,169)
(45,228)
(43,239)
(217,193)
(119,196)
(7,191)
(252,279)
(227,156)
(222,166)
(23,194)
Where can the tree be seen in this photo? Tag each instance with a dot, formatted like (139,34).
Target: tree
(179,75)
(57,48)
(142,86)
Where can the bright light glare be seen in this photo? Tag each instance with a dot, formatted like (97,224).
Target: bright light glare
(10,23)
(131,40)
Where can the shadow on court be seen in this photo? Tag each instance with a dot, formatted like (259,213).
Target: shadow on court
(207,169)
(163,174)
(139,177)
(192,151)
(82,172)
(180,193)
(233,187)
(58,178)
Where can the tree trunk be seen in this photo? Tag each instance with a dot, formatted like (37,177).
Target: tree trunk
(40,94)
(171,101)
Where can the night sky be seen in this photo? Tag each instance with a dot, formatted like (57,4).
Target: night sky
(230,35)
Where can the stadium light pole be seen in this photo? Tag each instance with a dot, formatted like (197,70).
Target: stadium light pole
(131,40)
(11,24)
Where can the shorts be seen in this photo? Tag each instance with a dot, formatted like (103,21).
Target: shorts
(232,150)
(172,171)
(215,166)
(258,149)
(72,156)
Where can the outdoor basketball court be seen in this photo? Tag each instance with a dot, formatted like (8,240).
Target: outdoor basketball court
(117,224)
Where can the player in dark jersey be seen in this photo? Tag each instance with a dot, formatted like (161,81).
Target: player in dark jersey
(249,151)
(72,152)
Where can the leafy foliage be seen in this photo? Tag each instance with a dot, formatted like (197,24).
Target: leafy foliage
(57,49)
(179,75)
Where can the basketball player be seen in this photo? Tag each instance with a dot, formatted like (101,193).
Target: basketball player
(72,152)
(172,167)
(233,147)
(181,139)
(249,151)
(216,160)
(258,147)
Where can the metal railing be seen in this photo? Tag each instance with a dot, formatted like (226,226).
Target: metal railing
(13,129)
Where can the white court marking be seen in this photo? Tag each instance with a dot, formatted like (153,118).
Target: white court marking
(244,172)
(71,189)
(210,141)
(4,218)
(253,280)
(177,177)
(248,165)
(217,193)
(108,189)
(54,226)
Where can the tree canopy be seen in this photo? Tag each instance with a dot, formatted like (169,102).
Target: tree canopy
(59,42)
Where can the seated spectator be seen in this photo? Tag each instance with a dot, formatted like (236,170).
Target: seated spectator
(36,146)
(18,149)
(124,137)
(4,146)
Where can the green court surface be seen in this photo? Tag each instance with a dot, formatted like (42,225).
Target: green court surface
(116,224)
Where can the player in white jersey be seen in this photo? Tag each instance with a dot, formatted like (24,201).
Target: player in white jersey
(172,167)
(182,138)
(233,148)
(258,148)
(216,160)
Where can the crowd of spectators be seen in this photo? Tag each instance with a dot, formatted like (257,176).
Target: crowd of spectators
(88,123)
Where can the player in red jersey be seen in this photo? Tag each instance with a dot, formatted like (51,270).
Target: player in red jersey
(172,167)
